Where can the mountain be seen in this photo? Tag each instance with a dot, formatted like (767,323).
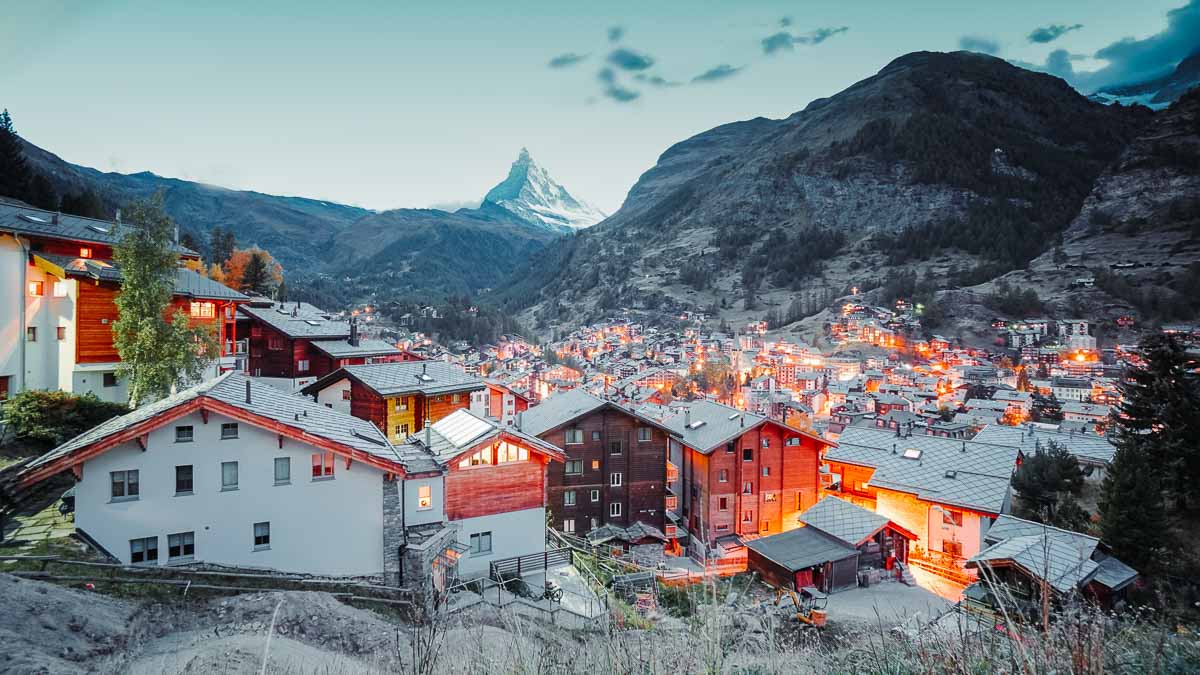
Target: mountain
(345,252)
(1159,92)
(942,170)
(532,195)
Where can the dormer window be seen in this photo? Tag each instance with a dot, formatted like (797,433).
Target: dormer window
(85,252)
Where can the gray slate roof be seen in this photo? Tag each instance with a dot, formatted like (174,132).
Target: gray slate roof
(426,377)
(943,473)
(846,521)
(187,282)
(455,433)
(1066,559)
(558,409)
(801,548)
(342,349)
(1088,448)
(712,424)
(266,401)
(28,220)
(298,319)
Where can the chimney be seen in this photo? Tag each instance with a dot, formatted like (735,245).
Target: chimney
(518,422)
(687,417)
(423,366)
(354,331)
(57,215)
(177,234)
(118,217)
(428,434)
(247,391)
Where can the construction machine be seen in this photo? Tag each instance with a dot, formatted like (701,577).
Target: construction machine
(809,602)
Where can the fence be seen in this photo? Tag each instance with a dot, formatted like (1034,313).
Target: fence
(533,562)
(574,611)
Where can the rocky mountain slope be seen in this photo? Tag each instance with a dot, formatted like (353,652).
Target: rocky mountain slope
(1159,92)
(531,194)
(953,167)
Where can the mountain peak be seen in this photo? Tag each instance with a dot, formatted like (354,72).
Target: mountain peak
(531,194)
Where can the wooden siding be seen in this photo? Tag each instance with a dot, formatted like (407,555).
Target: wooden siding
(96,312)
(396,417)
(365,404)
(435,408)
(492,489)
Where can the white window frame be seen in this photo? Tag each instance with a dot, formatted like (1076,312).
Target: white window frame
(569,498)
(577,462)
(126,495)
(576,434)
(226,486)
(287,463)
(595,495)
(229,430)
(185,433)
(615,479)
(424,497)
(645,434)
(614,509)
(478,540)
(568,525)
(261,536)
(181,539)
(144,542)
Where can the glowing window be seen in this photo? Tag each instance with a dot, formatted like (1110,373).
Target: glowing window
(203,310)
(425,498)
(85,252)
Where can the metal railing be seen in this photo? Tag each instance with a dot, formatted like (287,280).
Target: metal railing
(500,570)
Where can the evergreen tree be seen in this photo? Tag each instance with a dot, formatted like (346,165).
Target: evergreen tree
(1048,480)
(221,243)
(157,354)
(256,278)
(188,241)
(15,175)
(1133,513)
(87,204)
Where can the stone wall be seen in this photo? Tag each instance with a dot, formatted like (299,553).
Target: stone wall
(393,531)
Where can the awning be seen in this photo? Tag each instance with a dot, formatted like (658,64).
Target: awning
(49,267)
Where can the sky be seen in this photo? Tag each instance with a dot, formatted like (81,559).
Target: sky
(413,104)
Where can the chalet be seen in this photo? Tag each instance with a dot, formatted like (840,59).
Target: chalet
(1093,452)
(504,402)
(947,492)
(1025,561)
(616,462)
(58,284)
(294,343)
(236,472)
(400,398)
(739,474)
(1089,413)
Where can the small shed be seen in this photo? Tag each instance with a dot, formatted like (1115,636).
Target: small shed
(880,542)
(804,557)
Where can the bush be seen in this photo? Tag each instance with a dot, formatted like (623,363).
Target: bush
(51,417)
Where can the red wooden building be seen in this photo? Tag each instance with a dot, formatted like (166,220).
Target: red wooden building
(736,474)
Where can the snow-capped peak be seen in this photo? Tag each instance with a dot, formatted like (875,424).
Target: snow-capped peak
(531,194)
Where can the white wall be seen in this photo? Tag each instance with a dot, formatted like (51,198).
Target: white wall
(437,512)
(12,297)
(322,527)
(514,533)
(332,397)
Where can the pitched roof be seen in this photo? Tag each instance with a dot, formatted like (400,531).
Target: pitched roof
(801,548)
(341,349)
(28,220)
(558,409)
(712,424)
(297,319)
(267,402)
(848,522)
(948,471)
(439,443)
(404,377)
(187,282)
(1088,448)
(1064,563)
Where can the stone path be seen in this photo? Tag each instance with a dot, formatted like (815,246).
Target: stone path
(25,532)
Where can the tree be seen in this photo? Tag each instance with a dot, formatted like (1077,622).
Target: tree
(1023,383)
(221,244)
(254,270)
(255,278)
(87,204)
(157,354)
(1133,513)
(15,174)
(1048,479)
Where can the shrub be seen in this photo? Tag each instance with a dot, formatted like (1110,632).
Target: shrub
(51,417)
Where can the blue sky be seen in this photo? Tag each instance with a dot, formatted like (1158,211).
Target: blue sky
(395,104)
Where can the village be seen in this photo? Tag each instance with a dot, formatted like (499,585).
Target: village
(569,478)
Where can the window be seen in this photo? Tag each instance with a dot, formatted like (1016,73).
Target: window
(574,436)
(569,498)
(31,334)
(568,525)
(402,430)
(730,448)
(614,447)
(203,310)
(481,543)
(614,509)
(302,365)
(274,342)
(109,379)
(262,536)
(322,465)
(424,497)
(722,503)
(480,458)
(183,434)
(764,526)
(143,551)
(747,488)
(643,434)
(86,252)
(766,471)
(455,398)
(229,430)
(229,475)
(402,404)
(793,441)
(722,528)
(768,496)
(61,333)
(283,470)
(125,485)
(723,476)
(345,394)
(747,516)
(181,546)
(595,435)
(747,454)
(595,465)
(183,479)
(508,452)
(59,289)
(37,288)
(574,467)
(614,479)
(766,442)
(952,517)
(595,495)
(953,548)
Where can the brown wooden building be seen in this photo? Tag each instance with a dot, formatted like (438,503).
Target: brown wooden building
(739,475)
(616,462)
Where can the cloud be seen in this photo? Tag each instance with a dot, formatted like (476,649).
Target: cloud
(786,41)
(975,43)
(784,22)
(627,59)
(655,80)
(615,33)
(456,204)
(606,75)
(565,60)
(620,94)
(717,73)
(1052,32)
(1130,60)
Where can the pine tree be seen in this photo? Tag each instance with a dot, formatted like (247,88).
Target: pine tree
(15,175)
(1133,514)
(157,354)
(256,279)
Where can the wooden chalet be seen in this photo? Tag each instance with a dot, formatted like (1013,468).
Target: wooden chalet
(615,471)
(400,398)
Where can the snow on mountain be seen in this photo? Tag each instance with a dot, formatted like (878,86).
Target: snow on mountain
(531,194)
